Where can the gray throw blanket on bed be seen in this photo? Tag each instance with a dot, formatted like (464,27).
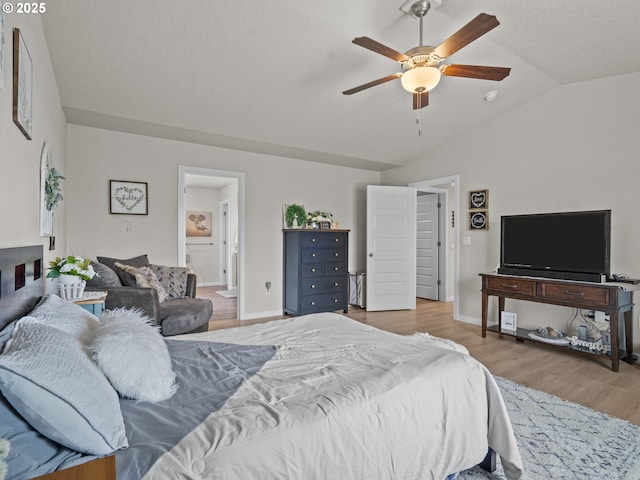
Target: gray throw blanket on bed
(208,373)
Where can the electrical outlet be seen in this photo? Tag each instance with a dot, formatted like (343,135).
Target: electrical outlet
(267,285)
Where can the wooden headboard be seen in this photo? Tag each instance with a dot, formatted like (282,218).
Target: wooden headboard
(21,284)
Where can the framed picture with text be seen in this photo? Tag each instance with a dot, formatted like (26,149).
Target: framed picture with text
(479,220)
(478,199)
(128,198)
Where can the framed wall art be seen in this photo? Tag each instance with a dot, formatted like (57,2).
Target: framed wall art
(198,224)
(478,199)
(22,82)
(479,220)
(1,49)
(128,198)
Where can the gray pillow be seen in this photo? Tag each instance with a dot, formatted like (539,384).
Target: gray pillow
(49,379)
(126,278)
(105,277)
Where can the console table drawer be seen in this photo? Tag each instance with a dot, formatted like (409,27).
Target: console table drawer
(511,285)
(573,293)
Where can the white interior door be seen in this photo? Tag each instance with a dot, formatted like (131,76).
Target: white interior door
(391,248)
(427,247)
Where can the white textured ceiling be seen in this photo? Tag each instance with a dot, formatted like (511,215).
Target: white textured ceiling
(268,76)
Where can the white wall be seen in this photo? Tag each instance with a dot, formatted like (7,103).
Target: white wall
(576,148)
(95,156)
(19,157)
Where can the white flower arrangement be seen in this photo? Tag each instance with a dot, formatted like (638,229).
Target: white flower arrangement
(319,216)
(5,446)
(71,265)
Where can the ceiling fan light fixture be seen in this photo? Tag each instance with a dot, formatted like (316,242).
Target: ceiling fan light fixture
(420,79)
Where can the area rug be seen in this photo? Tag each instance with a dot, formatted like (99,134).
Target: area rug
(228,293)
(564,440)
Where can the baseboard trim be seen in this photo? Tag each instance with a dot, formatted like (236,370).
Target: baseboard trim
(467,319)
(254,316)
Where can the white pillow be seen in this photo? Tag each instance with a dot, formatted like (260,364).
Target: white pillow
(133,355)
(66,316)
(48,377)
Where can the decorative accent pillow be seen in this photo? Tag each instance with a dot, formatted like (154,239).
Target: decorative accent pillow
(173,279)
(105,277)
(146,278)
(66,316)
(133,355)
(126,278)
(48,377)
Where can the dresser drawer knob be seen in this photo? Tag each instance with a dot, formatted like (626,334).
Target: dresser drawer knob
(313,254)
(335,300)
(313,303)
(313,286)
(335,284)
(509,286)
(336,239)
(313,239)
(337,254)
(335,269)
(313,270)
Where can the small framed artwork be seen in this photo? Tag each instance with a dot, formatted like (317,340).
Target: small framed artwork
(22,81)
(478,199)
(128,198)
(479,220)
(199,224)
(1,50)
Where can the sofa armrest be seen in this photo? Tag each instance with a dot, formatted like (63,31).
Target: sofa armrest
(145,299)
(190,290)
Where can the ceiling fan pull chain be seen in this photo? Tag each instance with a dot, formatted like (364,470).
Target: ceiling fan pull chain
(419,116)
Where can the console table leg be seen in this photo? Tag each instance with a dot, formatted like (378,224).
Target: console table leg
(615,340)
(485,301)
(628,334)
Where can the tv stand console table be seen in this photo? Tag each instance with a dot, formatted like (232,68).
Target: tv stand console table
(610,298)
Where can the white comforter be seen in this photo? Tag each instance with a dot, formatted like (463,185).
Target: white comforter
(342,400)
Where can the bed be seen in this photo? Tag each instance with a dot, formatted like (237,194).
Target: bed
(314,397)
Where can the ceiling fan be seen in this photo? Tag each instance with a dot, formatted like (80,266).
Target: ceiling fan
(421,69)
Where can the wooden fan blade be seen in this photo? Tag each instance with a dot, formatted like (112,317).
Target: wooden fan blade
(374,46)
(467,34)
(388,78)
(420,100)
(475,71)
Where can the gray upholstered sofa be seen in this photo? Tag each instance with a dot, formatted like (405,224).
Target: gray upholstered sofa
(181,312)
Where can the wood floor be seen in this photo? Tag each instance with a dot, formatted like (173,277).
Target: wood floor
(578,378)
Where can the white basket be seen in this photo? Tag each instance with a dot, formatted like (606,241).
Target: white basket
(72,291)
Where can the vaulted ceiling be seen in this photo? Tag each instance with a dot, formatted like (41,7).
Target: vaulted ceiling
(268,76)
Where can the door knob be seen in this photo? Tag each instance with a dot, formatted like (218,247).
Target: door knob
(371,254)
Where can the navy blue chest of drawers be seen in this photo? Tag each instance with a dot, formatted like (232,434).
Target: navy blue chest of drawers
(315,271)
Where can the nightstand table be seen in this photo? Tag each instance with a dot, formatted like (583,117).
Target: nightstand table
(92,301)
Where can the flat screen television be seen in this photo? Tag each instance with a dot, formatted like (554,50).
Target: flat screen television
(568,245)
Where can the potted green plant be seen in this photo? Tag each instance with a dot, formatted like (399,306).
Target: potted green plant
(71,266)
(295,216)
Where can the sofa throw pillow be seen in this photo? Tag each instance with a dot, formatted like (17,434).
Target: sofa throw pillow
(146,278)
(173,279)
(66,316)
(49,378)
(105,277)
(133,355)
(126,278)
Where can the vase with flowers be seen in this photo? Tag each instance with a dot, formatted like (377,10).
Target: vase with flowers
(72,273)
